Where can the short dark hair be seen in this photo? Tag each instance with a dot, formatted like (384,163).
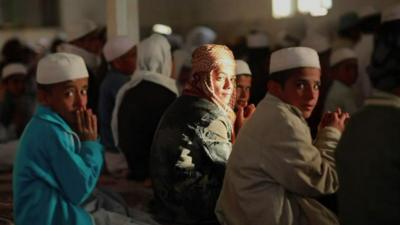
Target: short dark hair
(44,87)
(281,76)
(13,76)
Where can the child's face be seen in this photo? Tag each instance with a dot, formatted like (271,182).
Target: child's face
(67,97)
(302,90)
(243,85)
(16,84)
(222,81)
(127,62)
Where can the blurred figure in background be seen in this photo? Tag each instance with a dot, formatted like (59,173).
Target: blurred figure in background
(257,57)
(348,34)
(344,72)
(15,111)
(368,24)
(368,156)
(196,37)
(141,102)
(120,52)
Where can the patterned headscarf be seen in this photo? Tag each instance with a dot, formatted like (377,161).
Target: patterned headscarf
(384,69)
(205,59)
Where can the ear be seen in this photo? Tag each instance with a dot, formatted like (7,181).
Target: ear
(274,88)
(43,97)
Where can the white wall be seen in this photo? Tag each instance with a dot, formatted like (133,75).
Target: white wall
(232,17)
(75,10)
(229,17)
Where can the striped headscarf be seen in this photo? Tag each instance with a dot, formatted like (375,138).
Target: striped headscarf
(205,59)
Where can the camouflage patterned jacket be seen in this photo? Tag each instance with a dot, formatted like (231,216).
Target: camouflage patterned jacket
(190,149)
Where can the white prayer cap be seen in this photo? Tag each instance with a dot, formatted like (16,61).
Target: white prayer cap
(116,47)
(12,69)
(391,14)
(242,68)
(257,40)
(199,36)
(60,67)
(340,55)
(316,42)
(294,57)
(80,29)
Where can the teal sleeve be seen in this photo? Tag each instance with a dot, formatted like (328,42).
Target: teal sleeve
(77,170)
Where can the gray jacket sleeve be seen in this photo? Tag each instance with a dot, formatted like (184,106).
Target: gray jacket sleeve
(298,165)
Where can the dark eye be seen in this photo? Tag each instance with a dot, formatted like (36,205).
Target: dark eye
(69,93)
(84,92)
(300,85)
(317,86)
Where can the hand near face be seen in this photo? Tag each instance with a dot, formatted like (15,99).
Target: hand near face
(242,115)
(335,119)
(87,125)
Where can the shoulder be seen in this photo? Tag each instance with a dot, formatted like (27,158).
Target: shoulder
(275,118)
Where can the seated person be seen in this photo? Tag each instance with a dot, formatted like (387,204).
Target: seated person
(367,155)
(243,86)
(275,170)
(120,53)
(344,72)
(17,107)
(141,102)
(59,157)
(193,141)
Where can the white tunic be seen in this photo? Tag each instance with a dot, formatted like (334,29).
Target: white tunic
(274,170)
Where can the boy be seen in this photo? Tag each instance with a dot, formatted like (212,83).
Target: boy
(120,52)
(59,158)
(283,169)
(243,86)
(344,72)
(16,108)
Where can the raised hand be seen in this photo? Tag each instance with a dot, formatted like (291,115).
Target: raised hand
(87,125)
(335,119)
(242,115)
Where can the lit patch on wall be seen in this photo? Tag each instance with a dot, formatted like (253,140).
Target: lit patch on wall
(314,7)
(162,29)
(319,12)
(327,4)
(282,8)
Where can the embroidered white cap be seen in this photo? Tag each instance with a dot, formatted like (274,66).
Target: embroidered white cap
(391,14)
(13,69)
(60,67)
(293,57)
(80,29)
(116,47)
(340,55)
(242,68)
(257,40)
(316,41)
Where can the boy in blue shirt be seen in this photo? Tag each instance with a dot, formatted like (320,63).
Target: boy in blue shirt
(59,158)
